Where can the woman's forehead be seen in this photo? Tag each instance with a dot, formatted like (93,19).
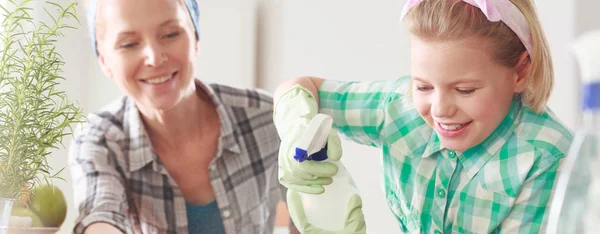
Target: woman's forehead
(117,14)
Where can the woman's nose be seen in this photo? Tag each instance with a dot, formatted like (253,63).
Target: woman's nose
(154,55)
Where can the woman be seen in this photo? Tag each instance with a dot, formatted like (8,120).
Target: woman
(174,155)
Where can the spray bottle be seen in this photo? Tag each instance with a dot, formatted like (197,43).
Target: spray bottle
(328,210)
(575,207)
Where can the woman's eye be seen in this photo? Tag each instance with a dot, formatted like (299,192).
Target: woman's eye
(423,88)
(172,35)
(465,91)
(128,45)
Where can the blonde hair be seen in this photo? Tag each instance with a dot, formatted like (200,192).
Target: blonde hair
(448,20)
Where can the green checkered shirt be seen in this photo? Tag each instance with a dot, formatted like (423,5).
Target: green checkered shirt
(501,185)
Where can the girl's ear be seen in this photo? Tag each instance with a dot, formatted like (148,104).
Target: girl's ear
(522,68)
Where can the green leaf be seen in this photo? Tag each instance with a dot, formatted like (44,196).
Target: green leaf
(34,115)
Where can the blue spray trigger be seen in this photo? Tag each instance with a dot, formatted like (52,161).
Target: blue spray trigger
(302,155)
(313,143)
(319,156)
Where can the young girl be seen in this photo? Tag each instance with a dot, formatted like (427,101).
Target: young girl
(468,144)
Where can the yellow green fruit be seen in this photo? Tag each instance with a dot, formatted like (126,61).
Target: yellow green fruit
(49,203)
(24,212)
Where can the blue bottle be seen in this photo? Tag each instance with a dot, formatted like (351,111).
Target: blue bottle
(575,206)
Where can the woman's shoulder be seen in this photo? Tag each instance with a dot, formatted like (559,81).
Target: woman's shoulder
(106,123)
(251,98)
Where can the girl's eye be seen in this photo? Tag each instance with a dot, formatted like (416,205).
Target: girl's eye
(465,91)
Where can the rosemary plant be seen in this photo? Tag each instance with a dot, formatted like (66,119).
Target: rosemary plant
(34,114)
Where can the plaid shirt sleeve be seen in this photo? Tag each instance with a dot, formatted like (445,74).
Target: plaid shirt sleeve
(97,180)
(530,210)
(358,108)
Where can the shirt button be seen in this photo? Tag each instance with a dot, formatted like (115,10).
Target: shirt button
(438,232)
(451,154)
(226,214)
(441,193)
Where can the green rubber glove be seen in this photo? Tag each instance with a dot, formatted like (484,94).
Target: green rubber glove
(355,220)
(293,112)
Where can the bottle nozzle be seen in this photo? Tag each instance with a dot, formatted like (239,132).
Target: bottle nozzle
(587,51)
(313,143)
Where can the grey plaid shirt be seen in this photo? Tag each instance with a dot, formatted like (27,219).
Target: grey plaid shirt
(118,178)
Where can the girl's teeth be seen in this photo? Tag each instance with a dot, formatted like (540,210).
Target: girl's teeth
(159,80)
(451,127)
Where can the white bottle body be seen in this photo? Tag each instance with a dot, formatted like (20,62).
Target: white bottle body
(328,210)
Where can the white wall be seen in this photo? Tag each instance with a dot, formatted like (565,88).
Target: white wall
(269,40)
(558,19)
(587,16)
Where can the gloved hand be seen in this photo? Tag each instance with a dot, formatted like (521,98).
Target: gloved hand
(293,112)
(355,220)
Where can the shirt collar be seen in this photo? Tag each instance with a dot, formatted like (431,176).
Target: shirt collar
(141,152)
(140,148)
(228,121)
(474,158)
(433,145)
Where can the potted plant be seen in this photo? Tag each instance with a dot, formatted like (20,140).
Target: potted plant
(34,114)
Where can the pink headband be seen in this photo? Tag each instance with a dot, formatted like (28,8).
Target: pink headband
(496,10)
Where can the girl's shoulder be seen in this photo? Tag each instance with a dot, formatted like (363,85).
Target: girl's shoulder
(544,132)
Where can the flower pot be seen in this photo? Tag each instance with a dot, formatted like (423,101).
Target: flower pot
(6,205)
(32,230)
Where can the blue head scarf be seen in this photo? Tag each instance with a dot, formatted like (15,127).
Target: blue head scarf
(192,7)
